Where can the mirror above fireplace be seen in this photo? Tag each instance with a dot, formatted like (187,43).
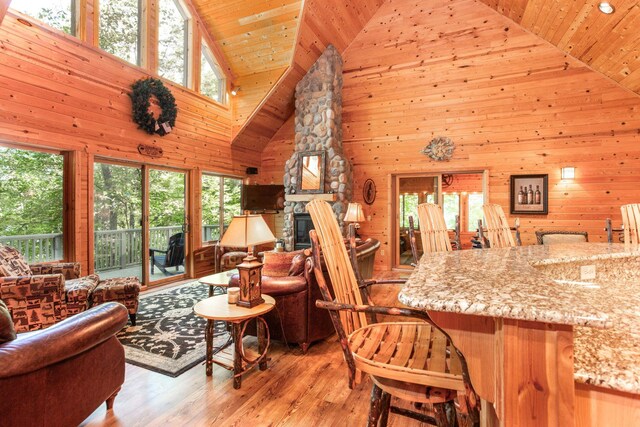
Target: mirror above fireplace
(311,172)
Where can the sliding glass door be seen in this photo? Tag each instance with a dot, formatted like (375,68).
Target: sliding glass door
(117,220)
(167,223)
(139,222)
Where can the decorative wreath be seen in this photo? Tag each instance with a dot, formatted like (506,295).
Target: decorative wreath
(440,148)
(141,100)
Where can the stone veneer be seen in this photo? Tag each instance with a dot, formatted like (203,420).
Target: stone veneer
(318,126)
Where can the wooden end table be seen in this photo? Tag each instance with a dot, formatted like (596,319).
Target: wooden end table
(218,280)
(217,308)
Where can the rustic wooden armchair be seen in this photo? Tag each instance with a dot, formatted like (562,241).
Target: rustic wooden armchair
(631,223)
(414,361)
(498,230)
(435,235)
(412,242)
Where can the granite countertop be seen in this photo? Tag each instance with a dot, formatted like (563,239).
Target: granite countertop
(512,283)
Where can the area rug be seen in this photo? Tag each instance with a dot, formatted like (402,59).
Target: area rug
(168,337)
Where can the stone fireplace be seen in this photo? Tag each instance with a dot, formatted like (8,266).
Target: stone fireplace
(318,127)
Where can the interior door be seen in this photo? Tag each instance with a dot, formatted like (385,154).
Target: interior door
(167,224)
(410,191)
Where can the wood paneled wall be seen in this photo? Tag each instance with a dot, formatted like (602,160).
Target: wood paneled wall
(58,92)
(511,102)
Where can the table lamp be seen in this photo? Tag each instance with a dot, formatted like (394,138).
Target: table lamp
(248,231)
(354,214)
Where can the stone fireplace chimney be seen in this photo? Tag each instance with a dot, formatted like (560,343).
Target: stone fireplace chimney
(318,127)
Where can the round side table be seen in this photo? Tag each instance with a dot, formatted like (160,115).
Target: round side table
(217,308)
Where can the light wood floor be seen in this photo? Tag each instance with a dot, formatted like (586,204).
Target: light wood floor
(297,390)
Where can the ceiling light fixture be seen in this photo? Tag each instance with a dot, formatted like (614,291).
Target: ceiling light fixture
(235,90)
(606,8)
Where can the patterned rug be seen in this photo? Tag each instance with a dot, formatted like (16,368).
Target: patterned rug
(168,337)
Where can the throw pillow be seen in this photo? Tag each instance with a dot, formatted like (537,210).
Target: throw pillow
(297,265)
(7,330)
(12,263)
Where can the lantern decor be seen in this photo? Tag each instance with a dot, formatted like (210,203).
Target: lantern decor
(248,231)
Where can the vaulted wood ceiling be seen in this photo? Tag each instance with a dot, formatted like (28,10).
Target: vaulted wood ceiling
(256,35)
(609,44)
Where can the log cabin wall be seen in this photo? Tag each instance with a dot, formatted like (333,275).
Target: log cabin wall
(511,102)
(58,92)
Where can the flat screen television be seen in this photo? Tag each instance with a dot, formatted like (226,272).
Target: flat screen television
(262,197)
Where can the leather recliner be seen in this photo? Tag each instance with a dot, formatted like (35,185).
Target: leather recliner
(287,277)
(58,376)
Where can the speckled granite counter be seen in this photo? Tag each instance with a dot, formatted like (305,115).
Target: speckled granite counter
(542,283)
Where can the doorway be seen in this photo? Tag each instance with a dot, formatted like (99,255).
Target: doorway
(460,194)
(139,221)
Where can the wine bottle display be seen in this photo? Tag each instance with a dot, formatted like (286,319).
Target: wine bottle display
(520,196)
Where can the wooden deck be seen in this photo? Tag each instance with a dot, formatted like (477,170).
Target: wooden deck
(297,390)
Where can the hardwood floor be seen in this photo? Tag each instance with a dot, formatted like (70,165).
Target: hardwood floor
(297,390)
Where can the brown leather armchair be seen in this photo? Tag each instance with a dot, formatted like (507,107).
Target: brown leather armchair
(60,375)
(287,277)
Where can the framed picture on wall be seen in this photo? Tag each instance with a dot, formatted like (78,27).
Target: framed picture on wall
(529,194)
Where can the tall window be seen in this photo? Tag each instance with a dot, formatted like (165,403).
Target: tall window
(212,83)
(31,200)
(120,28)
(58,14)
(450,208)
(173,41)
(221,197)
(476,200)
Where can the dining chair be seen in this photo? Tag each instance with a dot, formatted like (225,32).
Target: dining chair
(631,223)
(561,236)
(608,227)
(409,360)
(433,229)
(497,227)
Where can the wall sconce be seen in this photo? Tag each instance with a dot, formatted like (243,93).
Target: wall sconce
(235,90)
(568,172)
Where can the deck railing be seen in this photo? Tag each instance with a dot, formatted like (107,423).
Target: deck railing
(113,249)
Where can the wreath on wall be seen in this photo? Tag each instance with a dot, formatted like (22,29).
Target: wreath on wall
(143,89)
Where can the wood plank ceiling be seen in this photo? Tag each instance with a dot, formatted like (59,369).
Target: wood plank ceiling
(610,44)
(255,36)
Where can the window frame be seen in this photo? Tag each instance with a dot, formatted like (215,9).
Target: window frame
(74,20)
(188,42)
(222,177)
(140,44)
(207,54)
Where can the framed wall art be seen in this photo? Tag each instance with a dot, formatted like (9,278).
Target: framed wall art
(529,194)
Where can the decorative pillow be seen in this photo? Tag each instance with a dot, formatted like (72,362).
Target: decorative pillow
(7,330)
(277,264)
(12,263)
(297,265)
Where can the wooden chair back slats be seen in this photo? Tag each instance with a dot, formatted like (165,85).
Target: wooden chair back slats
(412,242)
(498,231)
(336,258)
(433,229)
(631,222)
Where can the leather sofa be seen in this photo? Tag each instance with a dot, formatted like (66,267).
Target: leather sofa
(58,376)
(287,277)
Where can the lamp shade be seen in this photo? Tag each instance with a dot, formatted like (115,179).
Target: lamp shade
(247,230)
(354,213)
